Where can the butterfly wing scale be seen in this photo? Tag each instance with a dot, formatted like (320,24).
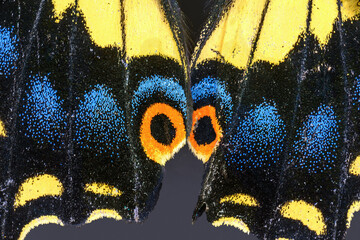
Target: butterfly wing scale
(280,77)
(83,84)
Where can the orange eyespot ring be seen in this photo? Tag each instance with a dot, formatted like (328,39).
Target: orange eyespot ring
(156,151)
(204,151)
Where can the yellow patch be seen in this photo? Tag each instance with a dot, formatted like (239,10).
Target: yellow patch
(306,213)
(2,129)
(37,222)
(36,187)
(103,19)
(103,213)
(103,189)
(241,199)
(355,207)
(325,13)
(350,9)
(284,22)
(204,151)
(323,16)
(155,150)
(235,34)
(231,221)
(354,168)
(148,31)
(60,6)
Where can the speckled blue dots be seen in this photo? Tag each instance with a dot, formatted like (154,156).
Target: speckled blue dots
(8,53)
(258,139)
(166,87)
(356,93)
(213,88)
(317,141)
(42,112)
(100,122)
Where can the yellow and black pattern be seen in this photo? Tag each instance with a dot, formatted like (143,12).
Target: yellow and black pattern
(282,78)
(93,104)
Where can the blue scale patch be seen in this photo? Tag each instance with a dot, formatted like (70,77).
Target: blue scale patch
(356,93)
(258,140)
(100,122)
(42,113)
(8,53)
(317,141)
(167,87)
(211,87)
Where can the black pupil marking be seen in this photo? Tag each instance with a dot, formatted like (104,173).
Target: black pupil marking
(204,132)
(162,129)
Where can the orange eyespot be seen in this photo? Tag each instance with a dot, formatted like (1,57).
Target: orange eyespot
(205,132)
(162,132)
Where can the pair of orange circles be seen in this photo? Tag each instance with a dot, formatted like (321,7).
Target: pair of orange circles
(204,151)
(155,150)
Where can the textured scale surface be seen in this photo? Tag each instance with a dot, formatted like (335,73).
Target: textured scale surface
(82,107)
(89,115)
(280,81)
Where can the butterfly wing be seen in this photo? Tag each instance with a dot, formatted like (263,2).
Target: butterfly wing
(274,86)
(93,105)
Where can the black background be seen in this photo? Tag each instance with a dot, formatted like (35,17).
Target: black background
(171,218)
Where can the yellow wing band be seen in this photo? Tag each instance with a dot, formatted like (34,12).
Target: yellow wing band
(233,38)
(241,199)
(102,189)
(354,168)
(355,207)
(2,129)
(103,19)
(235,34)
(350,9)
(37,222)
(103,213)
(147,30)
(37,187)
(323,16)
(232,221)
(307,214)
(60,7)
(284,22)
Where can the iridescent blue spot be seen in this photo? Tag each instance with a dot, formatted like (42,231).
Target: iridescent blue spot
(42,112)
(166,87)
(356,93)
(258,140)
(211,87)
(317,141)
(8,53)
(100,123)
